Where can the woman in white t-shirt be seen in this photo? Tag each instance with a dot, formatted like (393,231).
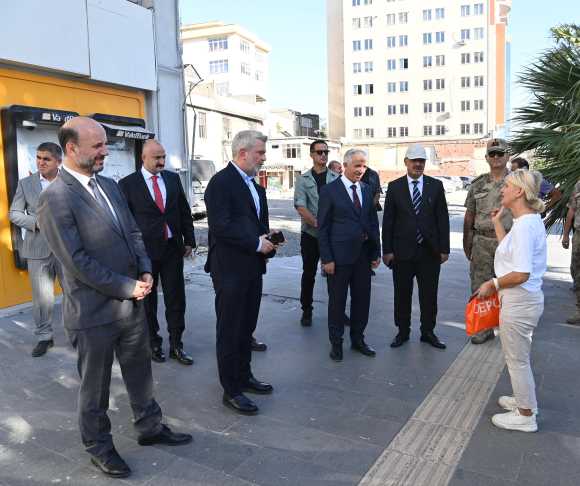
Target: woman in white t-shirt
(520,263)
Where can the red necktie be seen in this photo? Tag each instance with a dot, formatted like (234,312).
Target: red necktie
(159,202)
(355,199)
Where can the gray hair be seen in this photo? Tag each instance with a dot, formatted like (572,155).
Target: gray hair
(245,140)
(351,153)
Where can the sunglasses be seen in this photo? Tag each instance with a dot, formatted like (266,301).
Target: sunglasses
(496,153)
(321,152)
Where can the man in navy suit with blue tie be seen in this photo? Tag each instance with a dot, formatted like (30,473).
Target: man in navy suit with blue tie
(349,248)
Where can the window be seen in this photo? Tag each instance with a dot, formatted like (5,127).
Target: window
(356,45)
(465,105)
(403,131)
(465,10)
(368,44)
(357,89)
(355,3)
(403,17)
(439,37)
(465,58)
(440,107)
(356,67)
(357,133)
(464,34)
(259,76)
(391,87)
(390,19)
(245,68)
(202,127)
(403,86)
(218,44)
(478,57)
(439,13)
(357,111)
(464,129)
(478,81)
(391,132)
(368,22)
(217,67)
(222,89)
(427,14)
(292,151)
(440,130)
(427,130)
(368,2)
(370,132)
(404,63)
(244,46)
(440,83)
(478,128)
(391,109)
(369,88)
(427,61)
(391,64)
(368,66)
(427,38)
(427,107)
(227,128)
(403,40)
(478,9)
(440,60)
(356,22)
(478,105)
(478,33)
(369,111)
(427,84)
(391,41)
(465,82)
(404,109)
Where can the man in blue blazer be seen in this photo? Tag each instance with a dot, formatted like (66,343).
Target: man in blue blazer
(349,248)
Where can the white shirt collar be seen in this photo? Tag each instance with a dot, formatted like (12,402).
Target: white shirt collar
(147,174)
(348,183)
(410,180)
(245,176)
(82,178)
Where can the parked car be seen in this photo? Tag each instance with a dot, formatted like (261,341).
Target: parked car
(201,172)
(448,184)
(467,180)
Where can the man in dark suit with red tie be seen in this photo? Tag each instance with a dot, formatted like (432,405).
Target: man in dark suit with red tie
(415,244)
(162,212)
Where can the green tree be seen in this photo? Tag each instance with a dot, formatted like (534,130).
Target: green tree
(550,124)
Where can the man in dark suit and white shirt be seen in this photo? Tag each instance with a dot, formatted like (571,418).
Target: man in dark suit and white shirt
(415,244)
(90,230)
(237,214)
(43,267)
(349,248)
(162,212)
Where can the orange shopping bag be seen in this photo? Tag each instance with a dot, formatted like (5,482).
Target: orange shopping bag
(481,314)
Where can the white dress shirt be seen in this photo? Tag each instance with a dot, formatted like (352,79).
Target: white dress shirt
(44,183)
(148,176)
(411,185)
(348,183)
(249,182)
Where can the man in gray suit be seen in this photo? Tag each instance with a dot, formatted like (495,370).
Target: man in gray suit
(43,267)
(107,274)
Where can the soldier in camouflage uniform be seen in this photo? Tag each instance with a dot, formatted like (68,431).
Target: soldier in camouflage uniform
(479,239)
(573,218)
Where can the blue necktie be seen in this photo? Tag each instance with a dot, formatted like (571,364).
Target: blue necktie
(417,206)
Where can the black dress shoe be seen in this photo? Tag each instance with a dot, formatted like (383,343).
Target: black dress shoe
(306,319)
(258,346)
(363,348)
(259,387)
(166,437)
(112,464)
(336,352)
(433,341)
(399,341)
(181,356)
(41,348)
(240,404)
(157,354)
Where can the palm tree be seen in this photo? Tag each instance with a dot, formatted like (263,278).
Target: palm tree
(550,125)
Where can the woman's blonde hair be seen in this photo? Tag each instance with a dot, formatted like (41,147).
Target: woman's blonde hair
(529,181)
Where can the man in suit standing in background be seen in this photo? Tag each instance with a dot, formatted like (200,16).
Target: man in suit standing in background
(43,267)
(90,230)
(162,212)
(349,248)
(415,244)
(238,237)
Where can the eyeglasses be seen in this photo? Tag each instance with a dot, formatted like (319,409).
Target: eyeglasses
(321,152)
(495,153)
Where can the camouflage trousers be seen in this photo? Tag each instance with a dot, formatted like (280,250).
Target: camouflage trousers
(481,265)
(575,266)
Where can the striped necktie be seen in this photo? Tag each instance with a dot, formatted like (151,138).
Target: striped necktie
(417,207)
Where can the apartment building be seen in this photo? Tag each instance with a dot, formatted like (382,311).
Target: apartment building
(429,71)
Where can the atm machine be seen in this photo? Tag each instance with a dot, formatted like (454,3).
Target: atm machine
(23,129)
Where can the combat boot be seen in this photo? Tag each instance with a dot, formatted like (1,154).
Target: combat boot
(574,319)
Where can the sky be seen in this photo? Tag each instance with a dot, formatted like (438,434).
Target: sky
(296,31)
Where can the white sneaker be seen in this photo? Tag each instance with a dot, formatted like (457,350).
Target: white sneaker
(509,403)
(515,421)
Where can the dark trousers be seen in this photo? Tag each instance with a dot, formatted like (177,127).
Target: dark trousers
(169,270)
(357,277)
(237,305)
(425,266)
(126,339)
(310,256)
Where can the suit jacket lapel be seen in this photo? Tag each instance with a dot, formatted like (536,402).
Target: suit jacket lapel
(245,190)
(36,188)
(145,189)
(347,195)
(170,191)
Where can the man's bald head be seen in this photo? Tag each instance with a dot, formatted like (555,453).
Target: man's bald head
(84,143)
(153,156)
